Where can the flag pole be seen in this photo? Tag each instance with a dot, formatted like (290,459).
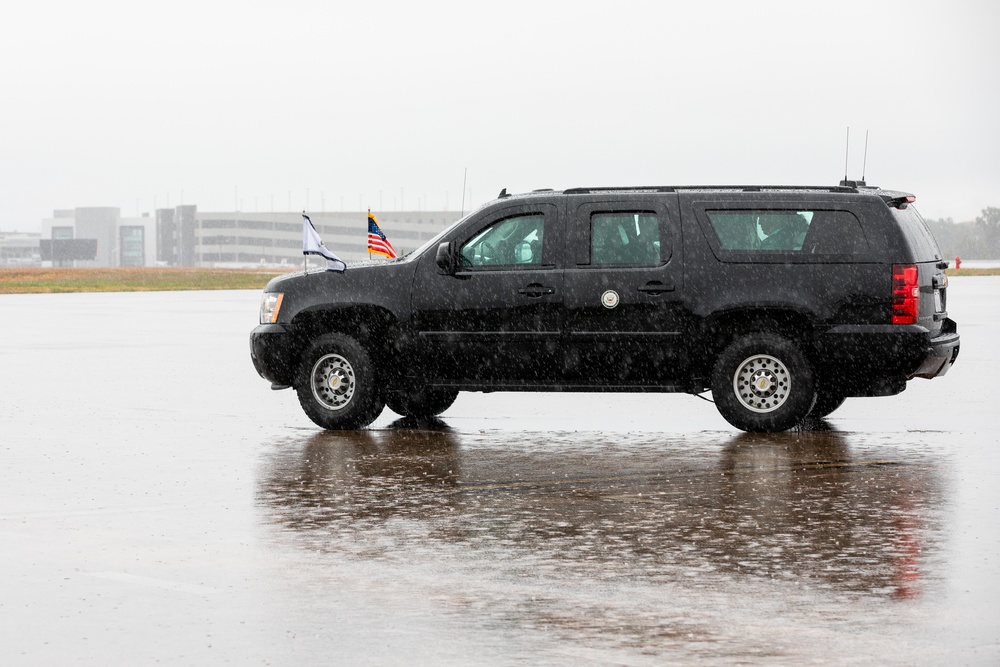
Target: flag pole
(366,234)
(305,258)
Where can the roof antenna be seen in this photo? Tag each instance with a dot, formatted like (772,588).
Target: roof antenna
(847,152)
(864,163)
(465,181)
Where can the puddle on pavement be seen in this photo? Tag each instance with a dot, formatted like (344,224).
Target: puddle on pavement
(799,507)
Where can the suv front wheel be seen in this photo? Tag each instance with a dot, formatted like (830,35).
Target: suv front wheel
(762,382)
(337,388)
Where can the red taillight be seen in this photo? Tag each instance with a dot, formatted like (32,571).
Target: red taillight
(905,294)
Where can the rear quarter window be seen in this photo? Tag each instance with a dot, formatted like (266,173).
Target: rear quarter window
(788,234)
(917,235)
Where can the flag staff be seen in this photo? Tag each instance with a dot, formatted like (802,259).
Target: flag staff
(369,246)
(305,257)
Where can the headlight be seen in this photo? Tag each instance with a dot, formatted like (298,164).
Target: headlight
(270,304)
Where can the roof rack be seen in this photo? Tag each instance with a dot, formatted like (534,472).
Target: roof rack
(716,188)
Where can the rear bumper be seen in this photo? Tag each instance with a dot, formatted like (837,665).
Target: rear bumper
(941,352)
(889,351)
(272,350)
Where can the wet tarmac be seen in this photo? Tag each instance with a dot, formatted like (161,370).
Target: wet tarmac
(159,504)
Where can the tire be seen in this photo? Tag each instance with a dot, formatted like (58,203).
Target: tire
(421,404)
(763,383)
(336,385)
(827,400)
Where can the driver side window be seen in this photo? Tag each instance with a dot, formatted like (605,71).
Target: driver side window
(509,242)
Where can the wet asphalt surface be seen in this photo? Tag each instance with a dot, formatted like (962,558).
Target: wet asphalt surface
(160,505)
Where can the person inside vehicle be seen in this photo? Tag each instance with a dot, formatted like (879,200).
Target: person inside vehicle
(782,231)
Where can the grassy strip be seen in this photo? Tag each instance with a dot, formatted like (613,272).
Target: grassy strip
(36,281)
(973,272)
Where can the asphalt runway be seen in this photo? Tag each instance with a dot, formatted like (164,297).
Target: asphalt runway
(159,504)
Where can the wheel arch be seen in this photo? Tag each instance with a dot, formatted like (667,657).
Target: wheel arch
(373,327)
(719,330)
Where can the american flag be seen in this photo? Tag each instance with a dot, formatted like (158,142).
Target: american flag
(377,242)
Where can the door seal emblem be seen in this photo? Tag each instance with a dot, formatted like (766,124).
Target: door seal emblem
(609,299)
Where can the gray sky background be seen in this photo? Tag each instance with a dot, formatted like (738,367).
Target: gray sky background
(348,105)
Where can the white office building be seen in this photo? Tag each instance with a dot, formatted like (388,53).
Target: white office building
(184,236)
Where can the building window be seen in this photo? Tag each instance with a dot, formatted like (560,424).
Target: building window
(132,245)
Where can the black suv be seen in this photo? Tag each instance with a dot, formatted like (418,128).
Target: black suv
(783,301)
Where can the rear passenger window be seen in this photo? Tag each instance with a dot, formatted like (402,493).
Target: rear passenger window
(800,232)
(624,239)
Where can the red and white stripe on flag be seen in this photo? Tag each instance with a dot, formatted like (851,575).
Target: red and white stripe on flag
(380,245)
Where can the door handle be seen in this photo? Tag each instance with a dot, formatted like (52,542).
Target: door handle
(535,290)
(655,287)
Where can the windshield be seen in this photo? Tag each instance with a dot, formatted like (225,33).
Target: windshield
(434,241)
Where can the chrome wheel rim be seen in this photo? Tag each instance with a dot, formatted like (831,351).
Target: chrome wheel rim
(762,383)
(333,382)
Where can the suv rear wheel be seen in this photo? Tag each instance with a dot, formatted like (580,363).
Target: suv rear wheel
(336,386)
(762,382)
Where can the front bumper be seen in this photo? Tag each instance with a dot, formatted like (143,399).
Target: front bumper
(274,352)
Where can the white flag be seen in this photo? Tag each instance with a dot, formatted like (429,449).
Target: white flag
(313,245)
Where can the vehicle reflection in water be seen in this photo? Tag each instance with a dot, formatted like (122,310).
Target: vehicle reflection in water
(796,507)
(340,479)
(803,507)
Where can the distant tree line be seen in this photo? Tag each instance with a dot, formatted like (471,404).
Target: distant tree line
(979,239)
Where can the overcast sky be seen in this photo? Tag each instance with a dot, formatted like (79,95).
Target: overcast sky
(348,105)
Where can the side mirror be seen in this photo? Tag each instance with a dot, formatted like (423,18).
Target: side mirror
(445,259)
